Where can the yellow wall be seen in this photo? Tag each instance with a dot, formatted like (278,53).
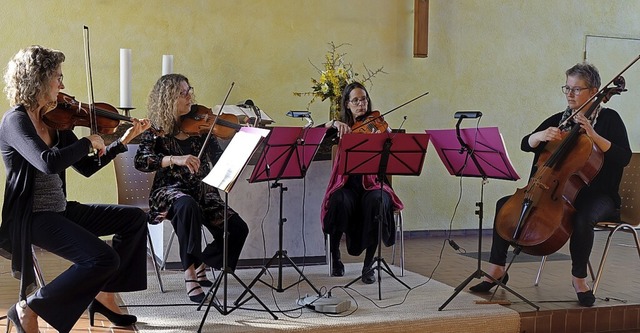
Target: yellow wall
(505,58)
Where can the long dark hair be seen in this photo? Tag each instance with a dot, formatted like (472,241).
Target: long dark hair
(345,113)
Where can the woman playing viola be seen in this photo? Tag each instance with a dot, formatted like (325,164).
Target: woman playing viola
(600,200)
(352,203)
(178,193)
(36,210)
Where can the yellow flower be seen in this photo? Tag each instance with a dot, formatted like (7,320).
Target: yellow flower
(335,76)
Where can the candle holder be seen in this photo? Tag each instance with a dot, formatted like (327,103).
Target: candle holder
(126,110)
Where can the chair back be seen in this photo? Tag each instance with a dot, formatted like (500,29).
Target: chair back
(134,186)
(630,192)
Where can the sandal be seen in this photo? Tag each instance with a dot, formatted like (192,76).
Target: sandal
(201,276)
(196,298)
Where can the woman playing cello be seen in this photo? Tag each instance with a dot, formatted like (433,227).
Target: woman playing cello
(351,203)
(596,202)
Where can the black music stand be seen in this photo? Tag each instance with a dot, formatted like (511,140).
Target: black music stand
(382,155)
(223,176)
(475,152)
(287,154)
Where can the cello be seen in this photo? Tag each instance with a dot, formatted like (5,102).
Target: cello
(538,219)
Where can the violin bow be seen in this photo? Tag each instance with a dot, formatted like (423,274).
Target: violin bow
(386,113)
(92,108)
(204,145)
(564,123)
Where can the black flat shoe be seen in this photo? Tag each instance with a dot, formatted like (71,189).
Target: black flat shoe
(13,320)
(586,298)
(337,268)
(368,276)
(485,286)
(116,319)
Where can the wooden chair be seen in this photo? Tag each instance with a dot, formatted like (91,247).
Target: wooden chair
(629,216)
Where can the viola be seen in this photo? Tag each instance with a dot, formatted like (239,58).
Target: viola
(372,123)
(538,218)
(200,119)
(70,113)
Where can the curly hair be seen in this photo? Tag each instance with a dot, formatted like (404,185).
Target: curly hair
(28,72)
(163,99)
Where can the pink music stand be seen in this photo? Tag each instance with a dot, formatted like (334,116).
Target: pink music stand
(287,154)
(475,152)
(491,158)
(382,154)
(363,154)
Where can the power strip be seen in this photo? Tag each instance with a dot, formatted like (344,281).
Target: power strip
(325,304)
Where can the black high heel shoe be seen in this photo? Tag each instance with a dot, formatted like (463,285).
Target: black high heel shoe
(116,319)
(197,298)
(203,274)
(13,320)
(485,286)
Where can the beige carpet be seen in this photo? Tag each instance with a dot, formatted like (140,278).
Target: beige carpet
(400,310)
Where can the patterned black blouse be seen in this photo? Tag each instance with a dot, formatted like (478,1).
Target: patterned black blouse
(171,183)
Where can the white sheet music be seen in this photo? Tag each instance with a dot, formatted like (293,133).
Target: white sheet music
(235,157)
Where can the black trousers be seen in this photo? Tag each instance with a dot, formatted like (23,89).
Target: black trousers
(354,212)
(590,208)
(96,266)
(187,219)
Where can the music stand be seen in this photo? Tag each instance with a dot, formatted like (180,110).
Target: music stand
(287,154)
(223,176)
(475,152)
(381,154)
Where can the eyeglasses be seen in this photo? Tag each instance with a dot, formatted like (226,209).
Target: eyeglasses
(187,92)
(357,101)
(575,91)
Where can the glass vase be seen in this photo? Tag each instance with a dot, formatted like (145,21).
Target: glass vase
(334,109)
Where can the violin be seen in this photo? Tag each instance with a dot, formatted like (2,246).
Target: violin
(372,123)
(200,119)
(69,113)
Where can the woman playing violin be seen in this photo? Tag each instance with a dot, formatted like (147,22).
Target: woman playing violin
(351,203)
(36,210)
(597,202)
(178,193)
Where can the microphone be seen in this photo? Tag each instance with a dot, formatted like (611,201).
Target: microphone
(467,114)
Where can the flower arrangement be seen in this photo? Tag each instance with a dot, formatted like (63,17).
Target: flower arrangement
(334,77)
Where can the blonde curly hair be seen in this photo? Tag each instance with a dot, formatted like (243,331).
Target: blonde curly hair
(163,100)
(27,74)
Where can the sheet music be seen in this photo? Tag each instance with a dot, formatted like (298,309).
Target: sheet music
(235,157)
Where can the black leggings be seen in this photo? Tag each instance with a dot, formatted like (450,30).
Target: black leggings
(187,219)
(355,213)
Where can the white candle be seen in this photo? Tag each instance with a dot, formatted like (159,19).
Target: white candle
(125,78)
(167,64)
